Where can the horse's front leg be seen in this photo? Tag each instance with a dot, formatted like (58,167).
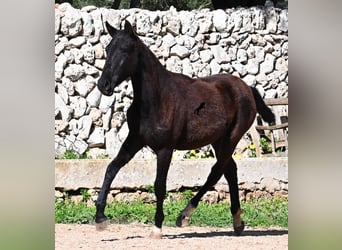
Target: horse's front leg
(163,164)
(128,149)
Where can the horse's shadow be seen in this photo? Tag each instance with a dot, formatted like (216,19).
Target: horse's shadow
(256,233)
(272,232)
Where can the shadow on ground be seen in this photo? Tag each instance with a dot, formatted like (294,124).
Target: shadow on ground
(245,233)
(228,233)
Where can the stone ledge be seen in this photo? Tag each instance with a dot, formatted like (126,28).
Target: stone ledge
(75,174)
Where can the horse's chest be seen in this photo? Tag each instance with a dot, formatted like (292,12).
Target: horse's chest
(154,134)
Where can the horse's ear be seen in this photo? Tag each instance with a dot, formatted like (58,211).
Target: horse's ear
(129,29)
(111,30)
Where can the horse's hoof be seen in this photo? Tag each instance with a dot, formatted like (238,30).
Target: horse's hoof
(182,221)
(239,229)
(102,225)
(156,233)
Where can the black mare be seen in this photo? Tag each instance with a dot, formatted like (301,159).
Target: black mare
(173,111)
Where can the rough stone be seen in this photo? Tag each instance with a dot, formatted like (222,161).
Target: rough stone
(96,138)
(89,69)
(281,65)
(250,80)
(283,21)
(75,144)
(174,64)
(99,63)
(61,44)
(83,87)
(97,25)
(174,26)
(187,68)
(71,23)
(242,56)
(206,55)
(59,67)
(94,98)
(268,65)
(88,53)
(106,119)
(74,72)
(77,41)
(179,51)
(57,20)
(79,106)
(219,53)
(271,20)
(62,108)
(76,55)
(252,66)
(84,126)
(219,20)
(113,143)
(106,102)
(205,24)
(271,93)
(215,67)
(143,24)
(240,68)
(87,23)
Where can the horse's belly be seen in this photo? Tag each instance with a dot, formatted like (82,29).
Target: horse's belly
(200,134)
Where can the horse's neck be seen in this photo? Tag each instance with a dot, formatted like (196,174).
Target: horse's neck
(147,81)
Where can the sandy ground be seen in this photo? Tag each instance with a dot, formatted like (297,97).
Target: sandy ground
(135,236)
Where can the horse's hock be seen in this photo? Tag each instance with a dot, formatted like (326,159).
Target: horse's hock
(250,43)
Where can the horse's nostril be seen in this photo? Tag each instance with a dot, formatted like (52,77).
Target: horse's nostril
(104,87)
(107,87)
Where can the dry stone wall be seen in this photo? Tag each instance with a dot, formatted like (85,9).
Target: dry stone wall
(250,43)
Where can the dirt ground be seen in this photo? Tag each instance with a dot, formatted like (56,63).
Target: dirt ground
(135,236)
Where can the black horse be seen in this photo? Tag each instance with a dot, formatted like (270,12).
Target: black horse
(173,111)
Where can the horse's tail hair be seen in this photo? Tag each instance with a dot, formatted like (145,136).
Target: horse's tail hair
(265,112)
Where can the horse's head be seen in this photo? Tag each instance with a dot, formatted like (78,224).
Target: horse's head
(121,58)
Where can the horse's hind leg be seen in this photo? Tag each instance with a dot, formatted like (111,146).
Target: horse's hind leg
(224,165)
(214,176)
(231,175)
(127,151)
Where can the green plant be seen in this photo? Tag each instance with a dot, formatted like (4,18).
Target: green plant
(69,212)
(85,194)
(69,154)
(265,145)
(187,194)
(266,212)
(199,154)
(150,189)
(257,212)
(73,155)
(252,151)
(99,3)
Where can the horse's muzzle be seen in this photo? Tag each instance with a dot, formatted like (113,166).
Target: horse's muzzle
(104,87)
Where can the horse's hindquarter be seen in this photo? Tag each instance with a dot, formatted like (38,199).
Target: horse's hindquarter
(208,114)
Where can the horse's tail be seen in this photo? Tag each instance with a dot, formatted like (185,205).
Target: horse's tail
(265,112)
